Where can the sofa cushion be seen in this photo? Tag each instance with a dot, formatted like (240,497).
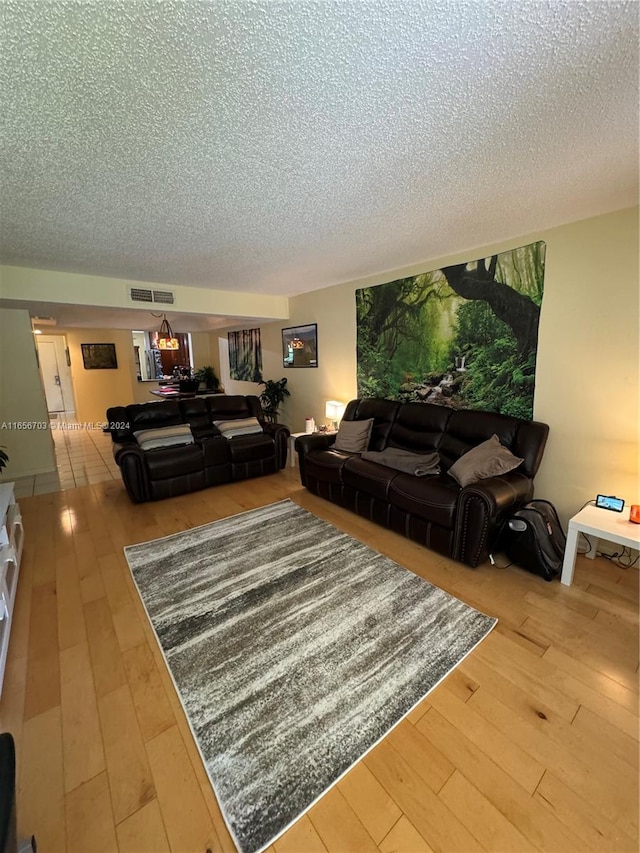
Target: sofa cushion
(466,428)
(153,415)
(171,436)
(326,465)
(171,462)
(419,427)
(225,407)
(238,426)
(368,477)
(433,498)
(353,436)
(383,413)
(488,459)
(249,448)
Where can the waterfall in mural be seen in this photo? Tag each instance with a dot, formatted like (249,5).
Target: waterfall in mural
(464,336)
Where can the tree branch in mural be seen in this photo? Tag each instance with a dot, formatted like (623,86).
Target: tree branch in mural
(519,312)
(464,336)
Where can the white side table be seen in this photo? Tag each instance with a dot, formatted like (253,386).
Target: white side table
(602,524)
(292,443)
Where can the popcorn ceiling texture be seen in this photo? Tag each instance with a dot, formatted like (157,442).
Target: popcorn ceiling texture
(285,146)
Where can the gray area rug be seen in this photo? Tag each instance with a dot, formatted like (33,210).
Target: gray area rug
(295,649)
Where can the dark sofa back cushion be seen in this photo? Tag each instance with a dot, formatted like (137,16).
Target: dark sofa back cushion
(195,413)
(383,413)
(153,415)
(468,428)
(419,427)
(125,420)
(224,407)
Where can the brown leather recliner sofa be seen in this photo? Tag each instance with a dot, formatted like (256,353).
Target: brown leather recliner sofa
(211,459)
(432,510)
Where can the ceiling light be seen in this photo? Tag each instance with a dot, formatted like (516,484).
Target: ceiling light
(166,338)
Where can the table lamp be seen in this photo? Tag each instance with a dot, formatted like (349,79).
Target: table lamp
(334,410)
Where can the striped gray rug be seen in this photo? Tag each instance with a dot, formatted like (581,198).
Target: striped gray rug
(295,649)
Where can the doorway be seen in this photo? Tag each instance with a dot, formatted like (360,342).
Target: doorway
(56,376)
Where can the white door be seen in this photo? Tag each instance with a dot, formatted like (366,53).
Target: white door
(51,376)
(56,376)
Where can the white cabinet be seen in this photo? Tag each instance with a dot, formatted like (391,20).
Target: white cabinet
(11,542)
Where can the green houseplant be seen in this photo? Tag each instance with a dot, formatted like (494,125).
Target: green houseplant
(208,377)
(274,393)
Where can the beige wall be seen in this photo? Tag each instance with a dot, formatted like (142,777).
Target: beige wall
(22,399)
(587,372)
(587,375)
(201,349)
(52,286)
(96,390)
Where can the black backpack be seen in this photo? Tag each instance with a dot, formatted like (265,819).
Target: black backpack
(532,538)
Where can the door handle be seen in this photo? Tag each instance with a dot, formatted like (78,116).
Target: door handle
(56,379)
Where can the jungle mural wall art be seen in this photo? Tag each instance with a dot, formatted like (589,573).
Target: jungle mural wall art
(464,336)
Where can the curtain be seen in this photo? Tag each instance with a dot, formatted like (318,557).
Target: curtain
(245,355)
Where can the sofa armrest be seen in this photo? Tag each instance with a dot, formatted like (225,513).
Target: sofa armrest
(480,510)
(131,461)
(313,441)
(280,434)
(306,444)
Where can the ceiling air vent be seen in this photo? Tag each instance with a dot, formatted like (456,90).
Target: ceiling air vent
(158,297)
(166,297)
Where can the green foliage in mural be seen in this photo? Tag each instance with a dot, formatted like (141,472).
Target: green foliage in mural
(464,336)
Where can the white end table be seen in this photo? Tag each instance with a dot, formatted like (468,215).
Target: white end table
(292,442)
(602,524)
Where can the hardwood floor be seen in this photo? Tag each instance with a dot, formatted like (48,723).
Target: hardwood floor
(531,744)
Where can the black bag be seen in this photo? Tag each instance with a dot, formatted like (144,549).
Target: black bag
(533,538)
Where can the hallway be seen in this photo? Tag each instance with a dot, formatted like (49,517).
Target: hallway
(83,457)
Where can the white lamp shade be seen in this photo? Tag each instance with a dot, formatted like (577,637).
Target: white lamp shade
(334,410)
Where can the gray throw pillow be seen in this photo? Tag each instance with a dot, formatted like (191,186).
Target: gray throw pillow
(353,436)
(239,426)
(488,459)
(153,439)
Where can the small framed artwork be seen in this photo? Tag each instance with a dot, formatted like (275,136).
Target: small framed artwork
(300,346)
(99,356)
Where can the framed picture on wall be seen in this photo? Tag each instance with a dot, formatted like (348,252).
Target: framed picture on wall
(300,346)
(99,356)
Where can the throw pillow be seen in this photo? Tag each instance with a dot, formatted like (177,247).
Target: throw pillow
(488,459)
(353,436)
(151,439)
(239,426)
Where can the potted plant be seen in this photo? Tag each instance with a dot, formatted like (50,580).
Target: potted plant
(274,393)
(207,376)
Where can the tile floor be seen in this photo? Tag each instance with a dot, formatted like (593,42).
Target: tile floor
(83,456)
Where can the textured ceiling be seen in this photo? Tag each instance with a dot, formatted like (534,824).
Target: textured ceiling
(280,147)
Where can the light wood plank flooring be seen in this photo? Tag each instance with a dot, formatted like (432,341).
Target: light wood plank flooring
(531,744)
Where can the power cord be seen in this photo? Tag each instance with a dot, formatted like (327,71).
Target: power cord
(586,538)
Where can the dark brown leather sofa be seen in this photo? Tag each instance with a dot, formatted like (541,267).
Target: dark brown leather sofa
(150,475)
(433,510)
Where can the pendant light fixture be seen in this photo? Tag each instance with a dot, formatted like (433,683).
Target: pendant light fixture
(166,338)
